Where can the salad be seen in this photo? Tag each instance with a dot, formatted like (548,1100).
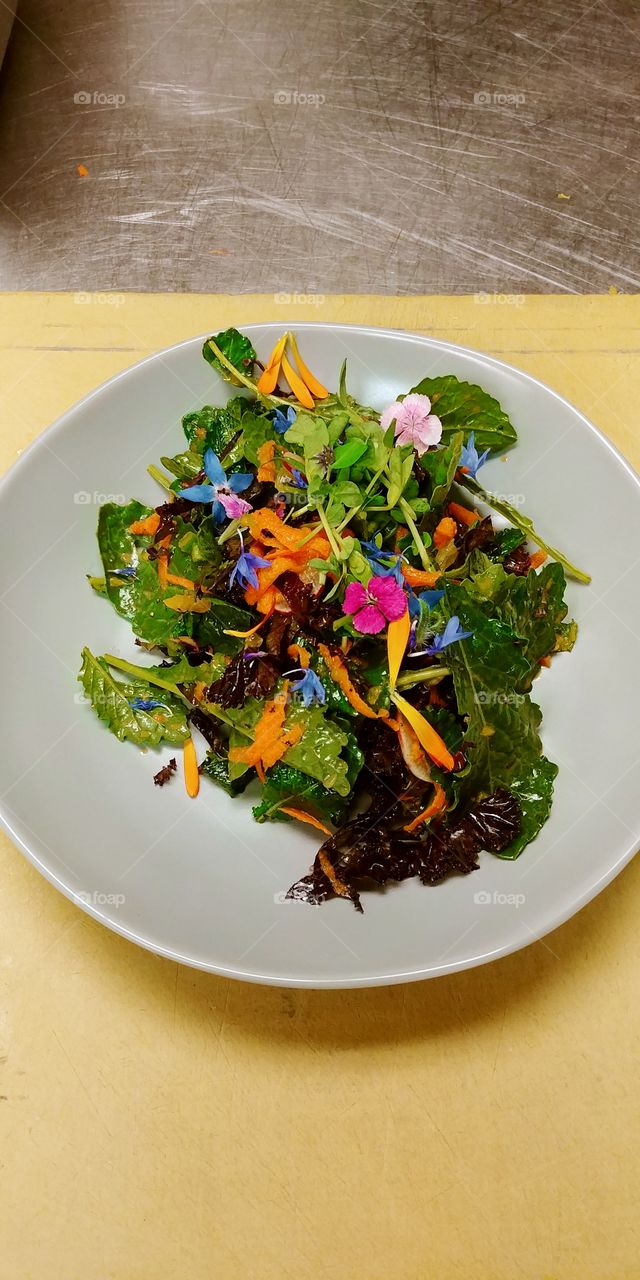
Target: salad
(332,608)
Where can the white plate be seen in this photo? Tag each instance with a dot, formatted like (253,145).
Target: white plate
(199,881)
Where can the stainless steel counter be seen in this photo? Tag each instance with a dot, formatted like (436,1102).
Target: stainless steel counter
(344,145)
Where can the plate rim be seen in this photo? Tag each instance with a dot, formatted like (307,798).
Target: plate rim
(32,851)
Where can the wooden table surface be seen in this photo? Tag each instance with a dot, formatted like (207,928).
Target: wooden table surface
(159,1122)
(389,146)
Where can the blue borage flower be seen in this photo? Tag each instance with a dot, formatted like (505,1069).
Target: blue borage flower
(384,564)
(309,686)
(429,598)
(146,704)
(282,421)
(298,479)
(470,459)
(245,567)
(123,573)
(451,634)
(221,493)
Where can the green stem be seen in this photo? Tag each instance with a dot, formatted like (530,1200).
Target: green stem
(354,510)
(419,544)
(430,674)
(241,377)
(523,523)
(335,546)
(161,479)
(141,673)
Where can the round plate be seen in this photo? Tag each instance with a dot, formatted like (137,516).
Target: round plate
(199,881)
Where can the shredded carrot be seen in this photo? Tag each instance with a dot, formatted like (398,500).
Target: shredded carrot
(338,885)
(419,577)
(438,804)
(268,379)
(187,604)
(148,526)
(305,817)
(463,514)
(266,577)
(301,392)
(177,581)
(271,740)
(316,388)
(545,662)
(299,654)
(398,633)
(267,467)
(163,575)
(340,674)
(191,774)
(426,734)
(537,559)
(445,531)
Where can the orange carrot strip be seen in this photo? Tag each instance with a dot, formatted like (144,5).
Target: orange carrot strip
(190,764)
(297,385)
(397,640)
(266,577)
(537,559)
(426,734)
(445,531)
(267,467)
(338,886)
(463,514)
(419,577)
(312,383)
(437,805)
(299,654)
(178,581)
(339,673)
(305,817)
(163,575)
(148,526)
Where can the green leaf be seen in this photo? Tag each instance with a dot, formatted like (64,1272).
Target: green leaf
(209,628)
(139,599)
(215,766)
(440,465)
(348,453)
(532,605)
(181,672)
(400,470)
(507,540)
(523,523)
(462,406)
(533,785)
(110,699)
(211,427)
(566,637)
(286,785)
(256,430)
(318,753)
(238,350)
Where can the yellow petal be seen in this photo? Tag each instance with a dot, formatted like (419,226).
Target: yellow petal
(397,641)
(431,741)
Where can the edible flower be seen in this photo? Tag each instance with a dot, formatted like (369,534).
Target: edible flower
(146,704)
(298,479)
(222,491)
(383,563)
(245,567)
(283,420)
(308,686)
(381,601)
(429,598)
(470,459)
(415,423)
(123,573)
(452,633)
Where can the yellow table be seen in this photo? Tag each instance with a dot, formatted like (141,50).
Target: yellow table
(161,1123)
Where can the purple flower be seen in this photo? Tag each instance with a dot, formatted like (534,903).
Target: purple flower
(146,704)
(222,491)
(309,686)
(298,478)
(470,460)
(452,632)
(415,423)
(245,567)
(381,601)
(282,421)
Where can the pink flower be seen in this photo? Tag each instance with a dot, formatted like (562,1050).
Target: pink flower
(381,601)
(233,505)
(415,423)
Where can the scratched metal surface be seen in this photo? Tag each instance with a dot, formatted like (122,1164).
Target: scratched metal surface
(269,145)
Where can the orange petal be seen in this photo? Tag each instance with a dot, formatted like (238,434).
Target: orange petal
(297,385)
(397,640)
(269,377)
(312,383)
(242,635)
(190,763)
